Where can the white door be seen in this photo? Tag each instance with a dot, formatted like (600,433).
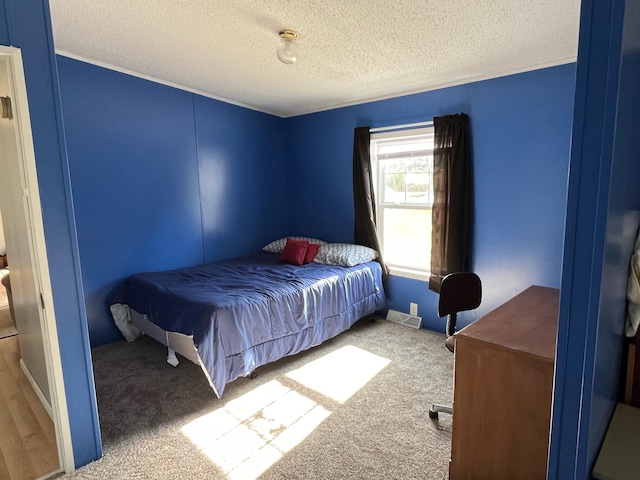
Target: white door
(26,250)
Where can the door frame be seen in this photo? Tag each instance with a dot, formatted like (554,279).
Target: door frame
(55,377)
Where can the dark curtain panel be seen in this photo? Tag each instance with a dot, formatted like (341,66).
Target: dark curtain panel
(451,217)
(363,196)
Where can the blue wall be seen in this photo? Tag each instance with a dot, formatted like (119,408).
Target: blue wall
(242,178)
(185,188)
(520,129)
(162,179)
(26,24)
(602,223)
(623,220)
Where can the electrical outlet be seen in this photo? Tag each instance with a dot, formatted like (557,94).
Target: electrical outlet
(413,309)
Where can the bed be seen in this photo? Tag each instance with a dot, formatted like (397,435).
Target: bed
(233,316)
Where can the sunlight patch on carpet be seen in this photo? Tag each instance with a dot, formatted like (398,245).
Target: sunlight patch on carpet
(341,373)
(251,433)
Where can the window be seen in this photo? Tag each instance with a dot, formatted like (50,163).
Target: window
(402,163)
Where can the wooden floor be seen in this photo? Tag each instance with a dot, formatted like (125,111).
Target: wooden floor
(28,448)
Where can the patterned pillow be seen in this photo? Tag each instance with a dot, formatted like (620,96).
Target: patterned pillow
(345,254)
(277,246)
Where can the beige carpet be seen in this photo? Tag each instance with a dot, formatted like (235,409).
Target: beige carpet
(355,407)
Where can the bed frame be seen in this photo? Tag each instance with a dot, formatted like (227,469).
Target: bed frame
(175,342)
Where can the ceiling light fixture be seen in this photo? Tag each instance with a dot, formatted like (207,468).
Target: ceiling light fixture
(288,48)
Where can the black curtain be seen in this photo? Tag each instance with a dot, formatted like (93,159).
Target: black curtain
(451,216)
(364,202)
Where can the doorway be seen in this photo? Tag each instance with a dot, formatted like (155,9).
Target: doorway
(31,294)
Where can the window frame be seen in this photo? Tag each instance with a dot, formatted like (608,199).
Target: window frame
(378,183)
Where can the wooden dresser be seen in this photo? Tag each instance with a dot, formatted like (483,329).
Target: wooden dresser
(503,383)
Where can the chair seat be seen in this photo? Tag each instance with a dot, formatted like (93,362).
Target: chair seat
(449,342)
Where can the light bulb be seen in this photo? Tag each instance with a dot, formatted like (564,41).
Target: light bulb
(288,48)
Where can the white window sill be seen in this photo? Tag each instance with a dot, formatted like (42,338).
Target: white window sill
(409,273)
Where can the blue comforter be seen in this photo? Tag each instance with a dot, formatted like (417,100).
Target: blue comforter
(249,311)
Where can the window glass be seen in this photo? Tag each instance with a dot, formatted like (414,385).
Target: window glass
(402,163)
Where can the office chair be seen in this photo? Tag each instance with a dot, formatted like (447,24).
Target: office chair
(458,292)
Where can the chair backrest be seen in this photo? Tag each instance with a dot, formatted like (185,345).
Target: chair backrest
(459,292)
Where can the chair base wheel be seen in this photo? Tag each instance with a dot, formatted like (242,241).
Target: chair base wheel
(433,414)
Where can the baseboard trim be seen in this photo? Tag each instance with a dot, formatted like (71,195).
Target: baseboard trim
(36,388)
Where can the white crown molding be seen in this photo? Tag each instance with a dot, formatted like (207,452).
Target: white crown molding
(126,71)
(437,84)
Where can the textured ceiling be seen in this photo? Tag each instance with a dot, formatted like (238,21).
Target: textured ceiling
(350,51)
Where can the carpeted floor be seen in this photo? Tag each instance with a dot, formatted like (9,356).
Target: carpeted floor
(352,408)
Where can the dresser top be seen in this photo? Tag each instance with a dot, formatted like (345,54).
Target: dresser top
(527,323)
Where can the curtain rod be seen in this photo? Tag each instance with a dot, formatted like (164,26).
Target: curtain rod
(398,127)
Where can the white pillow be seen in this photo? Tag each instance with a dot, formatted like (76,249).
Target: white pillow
(345,254)
(277,246)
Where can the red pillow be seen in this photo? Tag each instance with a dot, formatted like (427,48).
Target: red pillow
(312,251)
(294,251)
